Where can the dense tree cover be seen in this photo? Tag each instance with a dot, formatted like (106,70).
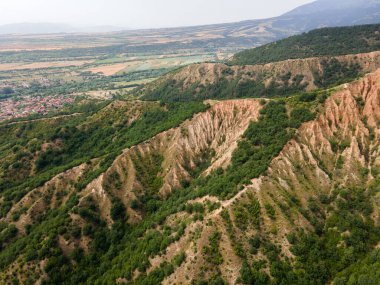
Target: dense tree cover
(364,271)
(335,72)
(6,234)
(331,72)
(348,234)
(119,251)
(339,251)
(6,92)
(321,42)
(100,138)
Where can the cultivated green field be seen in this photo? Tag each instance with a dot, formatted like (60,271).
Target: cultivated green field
(43,74)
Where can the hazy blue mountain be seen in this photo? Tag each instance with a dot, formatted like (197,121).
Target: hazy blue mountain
(329,5)
(327,13)
(240,35)
(318,14)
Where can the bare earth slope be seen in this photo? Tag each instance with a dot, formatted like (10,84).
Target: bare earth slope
(346,129)
(177,152)
(171,158)
(339,148)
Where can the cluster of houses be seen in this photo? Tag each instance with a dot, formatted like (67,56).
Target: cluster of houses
(29,105)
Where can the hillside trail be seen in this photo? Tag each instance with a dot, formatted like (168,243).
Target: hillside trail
(40,119)
(255,184)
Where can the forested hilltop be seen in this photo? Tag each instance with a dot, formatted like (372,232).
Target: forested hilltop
(280,79)
(318,59)
(316,43)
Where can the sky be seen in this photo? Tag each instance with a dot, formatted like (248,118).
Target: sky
(141,13)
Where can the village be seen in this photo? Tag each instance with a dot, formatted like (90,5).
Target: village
(12,108)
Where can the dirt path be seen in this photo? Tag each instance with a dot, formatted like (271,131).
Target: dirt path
(41,119)
(255,184)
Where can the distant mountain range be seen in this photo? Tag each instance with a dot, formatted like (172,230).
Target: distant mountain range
(53,28)
(321,13)
(252,33)
(318,14)
(327,13)
(228,36)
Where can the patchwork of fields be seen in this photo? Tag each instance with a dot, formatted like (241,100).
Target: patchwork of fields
(50,72)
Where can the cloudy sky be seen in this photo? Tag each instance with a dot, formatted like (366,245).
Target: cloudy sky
(141,13)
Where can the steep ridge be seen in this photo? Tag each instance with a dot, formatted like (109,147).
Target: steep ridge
(209,80)
(207,73)
(188,236)
(177,153)
(50,196)
(155,167)
(176,156)
(340,148)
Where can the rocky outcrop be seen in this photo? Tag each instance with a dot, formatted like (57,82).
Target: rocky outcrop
(208,139)
(339,148)
(173,157)
(331,151)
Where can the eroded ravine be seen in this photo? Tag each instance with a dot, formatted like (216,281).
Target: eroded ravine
(349,119)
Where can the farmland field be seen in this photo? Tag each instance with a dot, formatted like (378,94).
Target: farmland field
(42,74)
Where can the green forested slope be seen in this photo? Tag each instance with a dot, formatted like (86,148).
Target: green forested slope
(321,42)
(33,152)
(338,245)
(110,247)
